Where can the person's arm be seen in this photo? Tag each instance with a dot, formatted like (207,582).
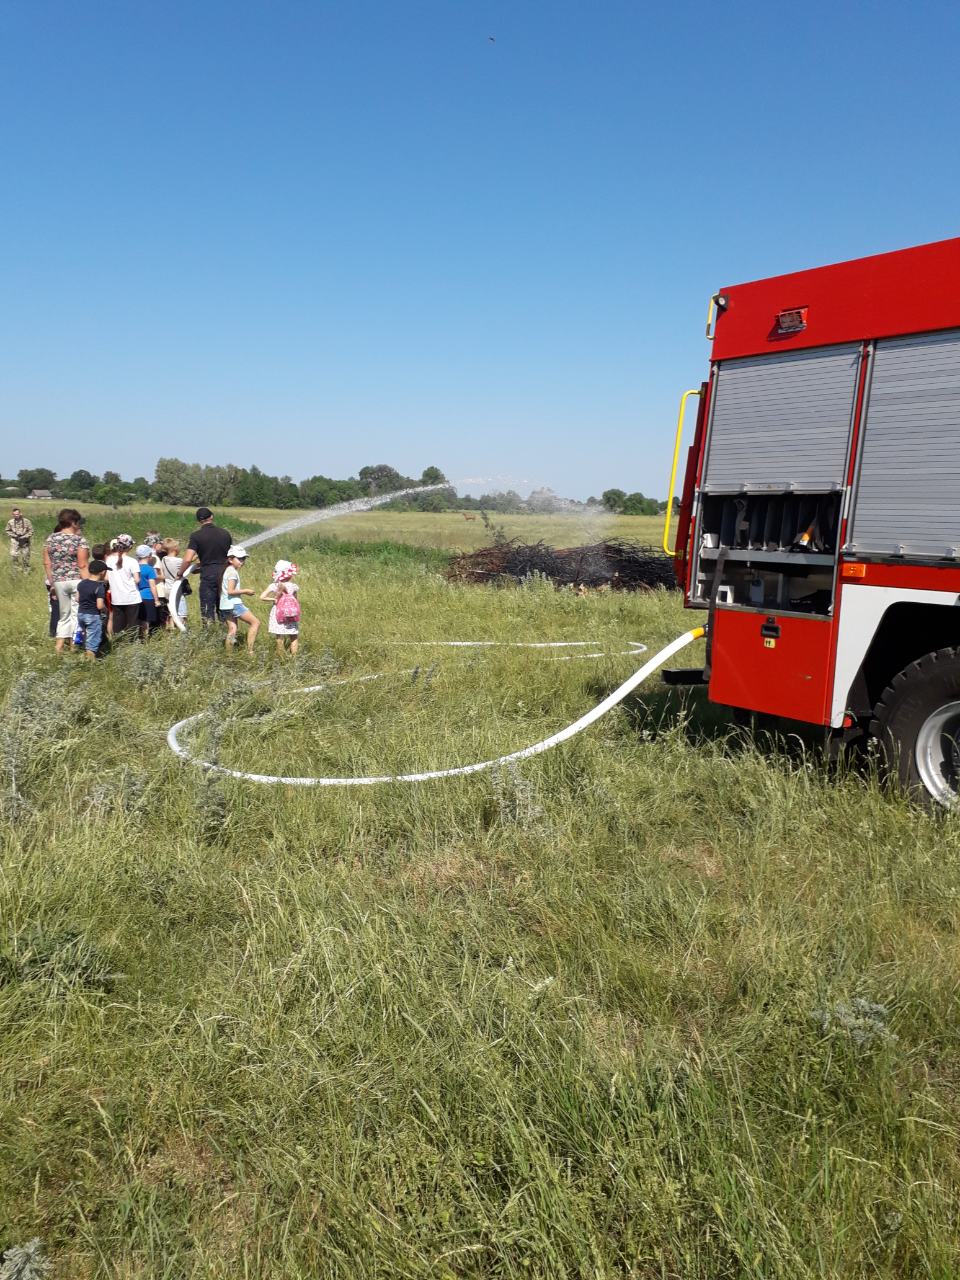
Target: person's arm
(102,599)
(83,559)
(152,581)
(28,533)
(47,566)
(188,558)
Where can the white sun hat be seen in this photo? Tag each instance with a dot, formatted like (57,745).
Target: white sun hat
(238,551)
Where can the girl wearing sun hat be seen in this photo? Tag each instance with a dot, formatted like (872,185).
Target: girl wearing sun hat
(123,575)
(285,615)
(232,607)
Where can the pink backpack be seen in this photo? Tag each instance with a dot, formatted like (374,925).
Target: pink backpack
(288,607)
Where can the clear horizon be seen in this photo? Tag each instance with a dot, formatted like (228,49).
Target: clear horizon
(317,237)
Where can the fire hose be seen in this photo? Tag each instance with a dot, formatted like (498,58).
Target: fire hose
(365,504)
(571,730)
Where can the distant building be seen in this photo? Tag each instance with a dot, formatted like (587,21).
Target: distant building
(40,495)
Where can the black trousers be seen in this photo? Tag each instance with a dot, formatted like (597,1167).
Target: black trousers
(210,594)
(124,617)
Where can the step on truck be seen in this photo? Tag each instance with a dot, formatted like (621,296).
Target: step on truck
(819,515)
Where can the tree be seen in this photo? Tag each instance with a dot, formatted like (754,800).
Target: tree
(287,495)
(435,501)
(508,503)
(82,481)
(543,500)
(214,481)
(170,481)
(433,475)
(613,499)
(112,477)
(112,495)
(635,504)
(37,478)
(383,479)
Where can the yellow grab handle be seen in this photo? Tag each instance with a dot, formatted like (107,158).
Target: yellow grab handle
(717,303)
(673,470)
(711,306)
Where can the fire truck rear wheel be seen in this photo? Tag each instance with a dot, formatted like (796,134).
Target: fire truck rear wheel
(917,724)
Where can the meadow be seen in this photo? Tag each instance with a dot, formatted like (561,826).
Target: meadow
(663,1002)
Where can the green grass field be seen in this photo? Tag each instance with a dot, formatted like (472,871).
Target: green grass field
(447,531)
(655,1004)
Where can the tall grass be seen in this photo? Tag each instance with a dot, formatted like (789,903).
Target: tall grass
(656,1004)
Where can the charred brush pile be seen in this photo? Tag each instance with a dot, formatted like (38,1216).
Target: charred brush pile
(618,565)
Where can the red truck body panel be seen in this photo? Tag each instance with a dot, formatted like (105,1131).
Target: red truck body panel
(787,675)
(909,291)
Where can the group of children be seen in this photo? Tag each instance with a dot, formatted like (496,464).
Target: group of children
(124,591)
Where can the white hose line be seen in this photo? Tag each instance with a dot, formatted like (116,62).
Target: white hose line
(354,506)
(538,748)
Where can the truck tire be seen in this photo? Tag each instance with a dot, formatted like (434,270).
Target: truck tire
(917,725)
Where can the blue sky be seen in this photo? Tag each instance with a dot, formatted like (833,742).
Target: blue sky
(313,236)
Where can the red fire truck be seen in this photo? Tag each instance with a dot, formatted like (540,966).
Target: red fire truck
(820,510)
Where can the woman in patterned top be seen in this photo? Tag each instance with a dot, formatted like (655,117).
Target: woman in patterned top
(66,554)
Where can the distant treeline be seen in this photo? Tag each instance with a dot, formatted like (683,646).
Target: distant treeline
(188,484)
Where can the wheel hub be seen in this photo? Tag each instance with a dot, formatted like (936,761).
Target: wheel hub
(938,754)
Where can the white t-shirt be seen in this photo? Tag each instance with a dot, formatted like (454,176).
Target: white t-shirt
(123,574)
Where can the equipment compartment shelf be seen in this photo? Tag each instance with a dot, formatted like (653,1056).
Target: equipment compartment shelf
(770,557)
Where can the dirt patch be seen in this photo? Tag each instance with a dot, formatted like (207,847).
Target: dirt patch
(449,870)
(186,1162)
(701,857)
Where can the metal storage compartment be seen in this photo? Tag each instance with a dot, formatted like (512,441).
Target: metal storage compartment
(782,421)
(908,493)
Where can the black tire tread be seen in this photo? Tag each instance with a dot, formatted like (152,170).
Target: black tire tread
(915,669)
(899,769)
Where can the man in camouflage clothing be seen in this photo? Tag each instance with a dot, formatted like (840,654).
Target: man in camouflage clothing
(20,532)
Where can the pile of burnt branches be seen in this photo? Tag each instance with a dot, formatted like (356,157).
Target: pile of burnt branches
(619,565)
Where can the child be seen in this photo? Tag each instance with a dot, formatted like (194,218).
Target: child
(170,562)
(54,606)
(123,577)
(148,591)
(100,552)
(92,607)
(285,615)
(232,608)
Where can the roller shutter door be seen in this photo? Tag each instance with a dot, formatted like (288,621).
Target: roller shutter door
(908,493)
(782,421)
